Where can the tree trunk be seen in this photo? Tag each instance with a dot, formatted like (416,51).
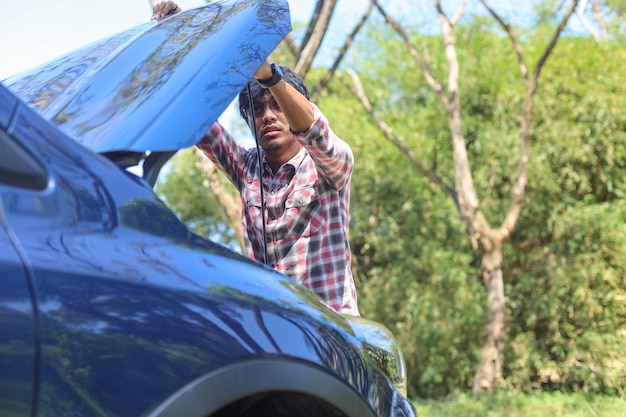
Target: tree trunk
(316,30)
(489,371)
(228,200)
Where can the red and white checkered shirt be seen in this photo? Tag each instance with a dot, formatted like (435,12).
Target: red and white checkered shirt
(307,208)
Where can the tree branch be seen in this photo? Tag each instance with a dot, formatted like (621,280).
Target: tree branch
(598,16)
(553,40)
(455,19)
(453,63)
(580,13)
(232,207)
(422,65)
(517,194)
(517,47)
(316,31)
(293,47)
(468,203)
(329,75)
(357,90)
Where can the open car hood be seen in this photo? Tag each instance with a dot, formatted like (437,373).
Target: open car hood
(158,86)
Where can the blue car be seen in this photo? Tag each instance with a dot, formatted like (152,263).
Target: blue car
(110,305)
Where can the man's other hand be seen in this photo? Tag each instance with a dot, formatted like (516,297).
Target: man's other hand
(165,9)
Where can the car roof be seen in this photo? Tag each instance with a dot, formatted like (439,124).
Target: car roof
(158,86)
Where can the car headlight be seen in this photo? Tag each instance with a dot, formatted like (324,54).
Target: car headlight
(380,345)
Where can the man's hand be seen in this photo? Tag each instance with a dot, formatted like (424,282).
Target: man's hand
(264,72)
(165,9)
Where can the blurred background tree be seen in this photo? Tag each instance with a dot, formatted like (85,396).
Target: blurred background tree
(563,267)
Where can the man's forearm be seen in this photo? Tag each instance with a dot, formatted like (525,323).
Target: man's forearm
(296,107)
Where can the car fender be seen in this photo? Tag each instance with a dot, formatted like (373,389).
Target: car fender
(210,393)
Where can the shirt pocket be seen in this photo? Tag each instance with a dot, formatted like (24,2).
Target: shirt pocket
(254,207)
(303,212)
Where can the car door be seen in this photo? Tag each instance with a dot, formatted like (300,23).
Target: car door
(18,330)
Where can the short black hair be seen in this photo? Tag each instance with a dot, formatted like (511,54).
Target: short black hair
(257,92)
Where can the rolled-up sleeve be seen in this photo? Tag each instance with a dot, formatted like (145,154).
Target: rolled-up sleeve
(331,154)
(222,149)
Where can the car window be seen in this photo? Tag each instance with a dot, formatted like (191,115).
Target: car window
(18,167)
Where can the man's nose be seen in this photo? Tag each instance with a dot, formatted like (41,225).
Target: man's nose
(268,112)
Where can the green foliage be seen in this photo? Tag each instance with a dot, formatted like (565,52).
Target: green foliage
(424,293)
(563,269)
(568,327)
(566,281)
(617,6)
(519,405)
(583,124)
(417,272)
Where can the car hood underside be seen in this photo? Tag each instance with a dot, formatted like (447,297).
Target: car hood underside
(158,86)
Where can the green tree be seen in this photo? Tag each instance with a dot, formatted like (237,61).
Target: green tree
(487,240)
(419,273)
(437,321)
(567,299)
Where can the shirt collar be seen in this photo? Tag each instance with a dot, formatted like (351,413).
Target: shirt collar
(294,163)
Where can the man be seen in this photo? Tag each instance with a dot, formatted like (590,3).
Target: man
(296,204)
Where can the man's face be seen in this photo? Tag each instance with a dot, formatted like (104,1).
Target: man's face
(271,125)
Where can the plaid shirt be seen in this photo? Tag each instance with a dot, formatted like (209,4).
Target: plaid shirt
(307,208)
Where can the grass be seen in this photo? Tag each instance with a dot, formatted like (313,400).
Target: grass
(522,405)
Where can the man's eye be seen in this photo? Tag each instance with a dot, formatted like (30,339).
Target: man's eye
(274,106)
(259,108)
